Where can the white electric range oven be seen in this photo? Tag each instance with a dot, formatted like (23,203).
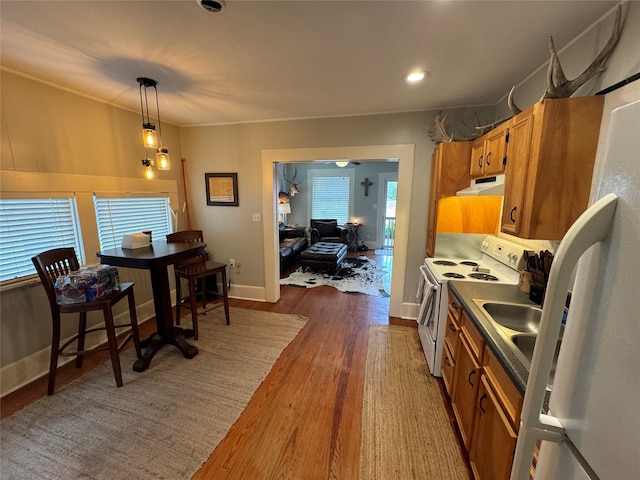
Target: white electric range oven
(500,262)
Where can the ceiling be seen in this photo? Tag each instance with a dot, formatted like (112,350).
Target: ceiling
(271,60)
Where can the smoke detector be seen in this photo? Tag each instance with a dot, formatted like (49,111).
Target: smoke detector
(214,6)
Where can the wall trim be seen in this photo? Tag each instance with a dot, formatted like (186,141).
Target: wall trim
(403,153)
(27,369)
(409,311)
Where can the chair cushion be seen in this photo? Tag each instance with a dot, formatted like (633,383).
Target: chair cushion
(325,228)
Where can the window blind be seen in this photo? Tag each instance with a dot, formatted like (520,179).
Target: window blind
(29,226)
(331,197)
(118,216)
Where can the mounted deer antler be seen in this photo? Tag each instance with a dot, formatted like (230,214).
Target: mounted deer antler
(284,197)
(557,84)
(439,133)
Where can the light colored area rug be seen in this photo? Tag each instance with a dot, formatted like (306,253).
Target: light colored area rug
(163,423)
(355,276)
(406,431)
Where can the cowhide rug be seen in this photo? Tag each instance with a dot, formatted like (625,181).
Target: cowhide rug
(355,275)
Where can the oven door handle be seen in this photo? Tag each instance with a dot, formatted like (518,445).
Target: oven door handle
(428,298)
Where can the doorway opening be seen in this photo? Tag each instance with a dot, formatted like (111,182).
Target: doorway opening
(403,154)
(389,196)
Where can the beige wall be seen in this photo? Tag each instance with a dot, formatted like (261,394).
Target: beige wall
(80,146)
(578,55)
(86,145)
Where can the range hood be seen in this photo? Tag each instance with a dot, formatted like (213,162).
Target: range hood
(485,186)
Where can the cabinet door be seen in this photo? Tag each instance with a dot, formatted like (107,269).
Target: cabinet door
(495,151)
(448,367)
(477,158)
(465,390)
(494,440)
(516,173)
(434,195)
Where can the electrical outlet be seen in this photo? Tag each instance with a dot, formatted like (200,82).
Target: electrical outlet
(232,262)
(256,217)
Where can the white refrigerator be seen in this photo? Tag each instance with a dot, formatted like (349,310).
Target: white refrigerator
(592,427)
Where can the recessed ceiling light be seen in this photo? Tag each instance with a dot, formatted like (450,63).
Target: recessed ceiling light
(213,6)
(415,76)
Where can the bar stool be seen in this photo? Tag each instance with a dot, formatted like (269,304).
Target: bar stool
(197,268)
(60,261)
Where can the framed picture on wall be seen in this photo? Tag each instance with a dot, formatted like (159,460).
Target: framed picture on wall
(222,189)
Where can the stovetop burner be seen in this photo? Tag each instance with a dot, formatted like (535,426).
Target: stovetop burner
(446,263)
(453,275)
(483,276)
(469,263)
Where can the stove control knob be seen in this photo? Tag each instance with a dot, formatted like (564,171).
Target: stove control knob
(484,245)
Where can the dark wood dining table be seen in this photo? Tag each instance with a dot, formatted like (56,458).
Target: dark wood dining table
(156,258)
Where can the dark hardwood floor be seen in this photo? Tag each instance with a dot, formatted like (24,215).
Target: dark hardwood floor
(304,421)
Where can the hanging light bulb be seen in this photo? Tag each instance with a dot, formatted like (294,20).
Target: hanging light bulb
(148,171)
(149,137)
(162,159)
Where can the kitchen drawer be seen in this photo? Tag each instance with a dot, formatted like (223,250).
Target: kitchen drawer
(508,396)
(448,367)
(473,336)
(455,307)
(451,334)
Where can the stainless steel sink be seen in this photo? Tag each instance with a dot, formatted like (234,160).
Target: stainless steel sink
(525,344)
(519,323)
(514,316)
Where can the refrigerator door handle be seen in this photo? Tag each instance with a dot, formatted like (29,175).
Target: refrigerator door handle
(591,227)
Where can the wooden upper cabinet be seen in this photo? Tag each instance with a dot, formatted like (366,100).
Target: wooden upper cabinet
(516,173)
(449,173)
(489,152)
(551,152)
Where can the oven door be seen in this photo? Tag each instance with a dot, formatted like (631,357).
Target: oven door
(428,317)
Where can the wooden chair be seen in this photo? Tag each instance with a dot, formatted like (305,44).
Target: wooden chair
(60,261)
(197,269)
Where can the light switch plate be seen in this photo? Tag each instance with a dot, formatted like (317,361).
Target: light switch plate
(256,217)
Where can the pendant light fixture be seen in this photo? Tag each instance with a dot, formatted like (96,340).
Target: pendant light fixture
(149,137)
(148,171)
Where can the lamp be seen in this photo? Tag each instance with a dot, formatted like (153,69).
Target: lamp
(163,159)
(149,137)
(284,209)
(342,164)
(148,171)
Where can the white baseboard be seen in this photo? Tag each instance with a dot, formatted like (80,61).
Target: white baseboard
(409,311)
(248,292)
(34,366)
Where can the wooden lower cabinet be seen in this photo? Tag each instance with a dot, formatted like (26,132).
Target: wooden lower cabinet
(484,399)
(448,367)
(465,390)
(494,439)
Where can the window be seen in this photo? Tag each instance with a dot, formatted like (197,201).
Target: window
(30,226)
(331,194)
(118,216)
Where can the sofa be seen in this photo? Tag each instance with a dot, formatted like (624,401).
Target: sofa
(328,230)
(293,241)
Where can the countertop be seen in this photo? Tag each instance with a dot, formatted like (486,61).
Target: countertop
(505,351)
